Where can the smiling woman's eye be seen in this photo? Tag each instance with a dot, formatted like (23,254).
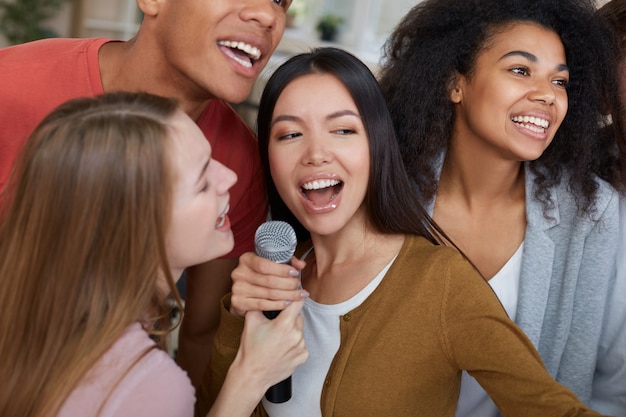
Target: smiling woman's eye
(520,70)
(561,82)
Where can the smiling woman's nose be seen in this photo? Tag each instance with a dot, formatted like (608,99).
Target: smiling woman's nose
(543,91)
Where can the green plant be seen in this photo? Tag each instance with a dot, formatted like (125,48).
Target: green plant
(328,25)
(21,20)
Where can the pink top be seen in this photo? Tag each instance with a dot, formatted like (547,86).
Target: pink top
(155,386)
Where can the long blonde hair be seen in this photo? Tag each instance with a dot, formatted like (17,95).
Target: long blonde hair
(82,243)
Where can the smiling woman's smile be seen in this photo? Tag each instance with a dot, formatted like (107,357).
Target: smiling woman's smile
(514,101)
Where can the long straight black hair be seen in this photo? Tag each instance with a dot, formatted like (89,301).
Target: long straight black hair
(391,200)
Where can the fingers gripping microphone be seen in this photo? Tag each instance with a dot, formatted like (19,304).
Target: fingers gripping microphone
(276,241)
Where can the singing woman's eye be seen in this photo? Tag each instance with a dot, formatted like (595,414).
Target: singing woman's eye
(345,131)
(288,136)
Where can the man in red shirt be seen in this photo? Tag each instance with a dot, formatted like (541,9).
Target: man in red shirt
(205,54)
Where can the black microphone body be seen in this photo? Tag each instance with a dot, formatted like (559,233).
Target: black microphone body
(276,241)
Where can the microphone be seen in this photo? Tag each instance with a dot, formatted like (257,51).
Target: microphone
(276,240)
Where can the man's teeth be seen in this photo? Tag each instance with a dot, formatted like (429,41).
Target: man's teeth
(319,184)
(533,123)
(243,62)
(252,51)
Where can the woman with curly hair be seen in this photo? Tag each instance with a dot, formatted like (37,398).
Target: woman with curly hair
(614,14)
(497,105)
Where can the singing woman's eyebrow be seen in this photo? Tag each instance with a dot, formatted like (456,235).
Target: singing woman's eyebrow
(290,118)
(531,58)
(284,118)
(341,114)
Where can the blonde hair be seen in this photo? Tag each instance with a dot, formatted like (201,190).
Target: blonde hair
(82,244)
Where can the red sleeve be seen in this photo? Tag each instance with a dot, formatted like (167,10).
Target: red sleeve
(36,78)
(235,145)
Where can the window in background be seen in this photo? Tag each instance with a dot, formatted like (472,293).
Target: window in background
(368,23)
(116,19)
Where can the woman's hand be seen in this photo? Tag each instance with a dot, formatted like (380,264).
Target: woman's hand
(269,352)
(262,285)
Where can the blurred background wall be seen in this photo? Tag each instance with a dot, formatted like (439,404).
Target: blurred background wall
(362,27)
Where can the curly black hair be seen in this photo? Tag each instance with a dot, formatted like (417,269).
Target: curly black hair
(613,14)
(440,37)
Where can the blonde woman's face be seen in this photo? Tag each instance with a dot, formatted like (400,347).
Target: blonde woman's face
(200,229)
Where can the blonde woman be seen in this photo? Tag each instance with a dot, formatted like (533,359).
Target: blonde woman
(111,198)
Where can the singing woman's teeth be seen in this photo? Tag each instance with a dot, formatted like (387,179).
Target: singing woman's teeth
(321,193)
(533,123)
(319,184)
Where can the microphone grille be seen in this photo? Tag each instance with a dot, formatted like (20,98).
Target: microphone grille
(275,240)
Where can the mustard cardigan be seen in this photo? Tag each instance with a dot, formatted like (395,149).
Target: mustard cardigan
(402,350)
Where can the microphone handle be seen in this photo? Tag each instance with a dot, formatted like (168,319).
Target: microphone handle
(271,314)
(281,392)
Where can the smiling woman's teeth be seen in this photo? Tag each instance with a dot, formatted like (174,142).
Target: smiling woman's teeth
(535,124)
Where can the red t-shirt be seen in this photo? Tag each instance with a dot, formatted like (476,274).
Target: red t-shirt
(38,76)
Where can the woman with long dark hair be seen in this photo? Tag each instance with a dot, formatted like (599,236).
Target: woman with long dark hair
(393,316)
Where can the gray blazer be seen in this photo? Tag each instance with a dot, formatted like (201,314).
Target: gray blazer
(571,301)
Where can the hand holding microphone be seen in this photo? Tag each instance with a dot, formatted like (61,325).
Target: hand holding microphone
(270,350)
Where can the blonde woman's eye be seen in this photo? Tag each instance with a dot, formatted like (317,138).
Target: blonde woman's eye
(205,187)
